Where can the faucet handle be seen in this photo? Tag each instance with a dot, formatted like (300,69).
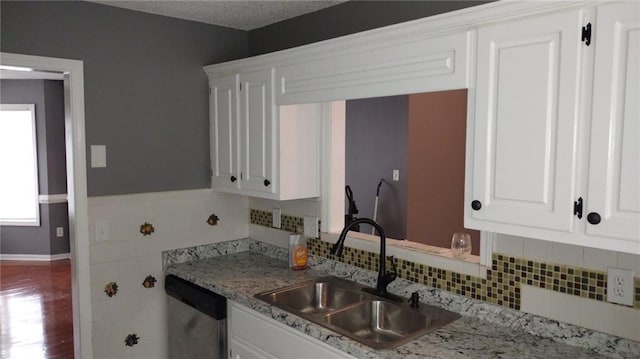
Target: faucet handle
(415,300)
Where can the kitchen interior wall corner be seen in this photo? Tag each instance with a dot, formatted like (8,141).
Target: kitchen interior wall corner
(146,94)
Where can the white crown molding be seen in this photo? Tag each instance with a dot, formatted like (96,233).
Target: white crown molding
(52,198)
(35,257)
(432,26)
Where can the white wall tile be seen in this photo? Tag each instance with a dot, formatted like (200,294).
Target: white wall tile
(629,261)
(596,315)
(105,308)
(107,339)
(599,259)
(535,300)
(626,322)
(567,254)
(564,307)
(269,235)
(99,252)
(179,219)
(448,264)
(509,245)
(537,250)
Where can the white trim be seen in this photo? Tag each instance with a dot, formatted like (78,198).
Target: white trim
(332,166)
(73,71)
(487,247)
(52,198)
(35,257)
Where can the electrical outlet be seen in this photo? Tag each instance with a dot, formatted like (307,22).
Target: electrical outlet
(620,286)
(276,215)
(102,230)
(311,226)
(396,175)
(59,231)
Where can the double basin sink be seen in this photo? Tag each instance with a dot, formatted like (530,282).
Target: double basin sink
(343,307)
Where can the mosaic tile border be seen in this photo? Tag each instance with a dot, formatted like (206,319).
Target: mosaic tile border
(265,218)
(502,285)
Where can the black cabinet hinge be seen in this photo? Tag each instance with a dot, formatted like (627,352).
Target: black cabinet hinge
(586,34)
(577,208)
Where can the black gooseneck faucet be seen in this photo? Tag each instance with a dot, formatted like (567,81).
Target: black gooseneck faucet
(384,278)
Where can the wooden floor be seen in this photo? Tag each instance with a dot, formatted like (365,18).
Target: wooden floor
(35,310)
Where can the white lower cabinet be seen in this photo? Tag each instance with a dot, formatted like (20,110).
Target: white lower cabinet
(253,335)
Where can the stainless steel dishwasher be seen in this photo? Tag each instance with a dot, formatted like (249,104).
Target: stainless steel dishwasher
(197,321)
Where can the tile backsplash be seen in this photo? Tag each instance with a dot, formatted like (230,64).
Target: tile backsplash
(504,281)
(265,218)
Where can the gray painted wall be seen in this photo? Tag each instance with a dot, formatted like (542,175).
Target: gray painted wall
(48,97)
(56,150)
(346,18)
(376,144)
(146,94)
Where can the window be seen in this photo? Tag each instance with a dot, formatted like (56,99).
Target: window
(19,162)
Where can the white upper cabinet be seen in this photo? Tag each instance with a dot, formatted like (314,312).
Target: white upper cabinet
(524,149)
(257,148)
(554,120)
(613,197)
(256,130)
(552,117)
(224,132)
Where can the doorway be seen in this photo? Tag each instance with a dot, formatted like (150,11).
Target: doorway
(73,73)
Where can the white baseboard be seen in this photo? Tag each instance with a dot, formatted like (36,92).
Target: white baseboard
(35,257)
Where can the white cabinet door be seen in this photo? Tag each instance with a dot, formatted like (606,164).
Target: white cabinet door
(223,132)
(614,157)
(253,335)
(240,349)
(524,139)
(257,131)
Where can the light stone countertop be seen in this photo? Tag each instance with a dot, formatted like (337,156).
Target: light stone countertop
(239,276)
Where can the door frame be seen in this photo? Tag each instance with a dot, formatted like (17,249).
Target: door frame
(75,144)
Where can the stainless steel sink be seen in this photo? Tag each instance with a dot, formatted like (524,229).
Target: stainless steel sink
(382,325)
(343,307)
(316,297)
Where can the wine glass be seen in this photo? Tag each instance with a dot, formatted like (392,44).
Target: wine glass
(461,244)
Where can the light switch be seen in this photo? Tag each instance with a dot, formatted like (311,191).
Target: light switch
(396,175)
(98,156)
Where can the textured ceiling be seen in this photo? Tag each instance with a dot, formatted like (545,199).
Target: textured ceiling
(237,14)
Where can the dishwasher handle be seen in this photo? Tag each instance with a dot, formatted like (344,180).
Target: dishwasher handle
(205,301)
